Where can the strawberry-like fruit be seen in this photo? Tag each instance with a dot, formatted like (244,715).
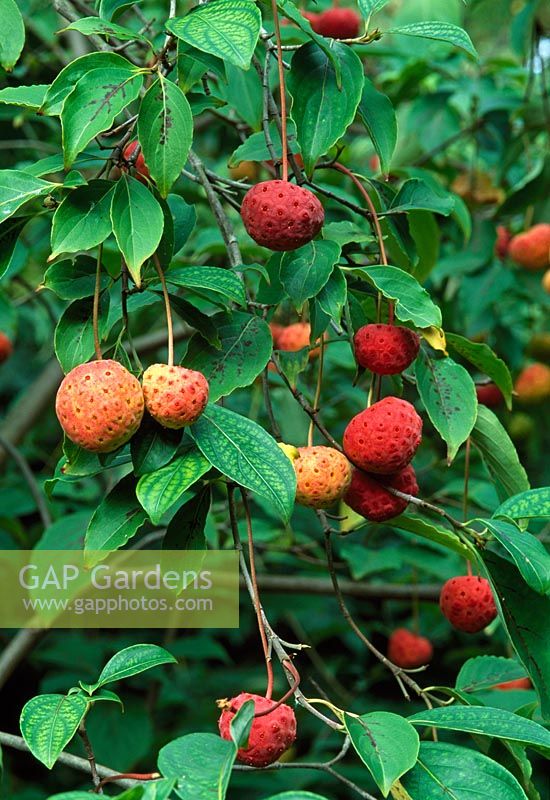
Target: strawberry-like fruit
(338,23)
(384,438)
(489,395)
(323,476)
(174,396)
(385,349)
(531,249)
(368,496)
(408,651)
(270,734)
(467,602)
(532,385)
(100,405)
(518,683)
(140,167)
(6,347)
(281,216)
(503,240)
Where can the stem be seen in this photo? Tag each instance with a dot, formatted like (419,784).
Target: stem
(96,780)
(30,480)
(169,324)
(133,776)
(282,90)
(465,497)
(95,312)
(317,390)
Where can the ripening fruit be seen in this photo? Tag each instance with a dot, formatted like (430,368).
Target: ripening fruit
(270,735)
(385,349)
(276,329)
(384,438)
(408,650)
(100,405)
(6,347)
(292,338)
(546,281)
(532,385)
(338,23)
(489,395)
(312,17)
(368,497)
(322,474)
(281,216)
(140,167)
(518,683)
(531,249)
(246,170)
(503,240)
(467,602)
(174,396)
(539,346)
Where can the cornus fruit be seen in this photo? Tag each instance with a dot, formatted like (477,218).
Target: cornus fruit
(518,683)
(385,349)
(292,338)
(142,172)
(323,475)
(6,347)
(489,395)
(174,396)
(368,495)
(468,604)
(338,23)
(281,216)
(408,651)
(503,240)
(531,249)
(532,385)
(270,734)
(100,405)
(383,439)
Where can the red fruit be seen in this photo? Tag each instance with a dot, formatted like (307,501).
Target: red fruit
(518,683)
(99,405)
(339,23)
(368,497)
(174,396)
(531,249)
(323,475)
(503,240)
(292,338)
(408,651)
(384,438)
(312,17)
(489,395)
(386,349)
(142,172)
(270,734)
(6,347)
(532,385)
(468,604)
(281,216)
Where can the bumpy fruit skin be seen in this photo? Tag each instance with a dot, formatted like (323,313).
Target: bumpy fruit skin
(384,438)
(408,651)
(385,349)
(368,497)
(270,734)
(174,396)
(467,602)
(100,405)
(489,395)
(281,216)
(503,240)
(518,683)
(531,249)
(323,476)
(338,23)
(6,347)
(532,385)
(141,169)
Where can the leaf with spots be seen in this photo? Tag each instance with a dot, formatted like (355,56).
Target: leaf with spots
(160,490)
(412,301)
(533,504)
(49,722)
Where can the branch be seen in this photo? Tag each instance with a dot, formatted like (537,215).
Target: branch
(294,584)
(30,480)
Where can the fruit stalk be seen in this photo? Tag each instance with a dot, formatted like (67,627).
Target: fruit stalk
(169,324)
(282,89)
(95,310)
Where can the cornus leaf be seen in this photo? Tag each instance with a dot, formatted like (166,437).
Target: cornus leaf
(26,96)
(412,301)
(17,188)
(69,76)
(442,31)
(305,271)
(116,520)
(201,763)
(74,338)
(482,357)
(132,661)
(90,25)
(499,454)
(378,115)
(160,490)
(484,672)
(529,554)
(83,219)
(49,722)
(13,34)
(533,504)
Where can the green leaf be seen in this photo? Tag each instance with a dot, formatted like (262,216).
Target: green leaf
(431,531)
(533,504)
(201,763)
(412,301)
(73,278)
(486,360)
(132,661)
(108,8)
(245,453)
(378,115)
(368,7)
(305,271)
(442,31)
(186,528)
(95,102)
(159,491)
(153,446)
(17,188)
(213,279)
(446,770)
(196,319)
(484,672)
(26,96)
(12,36)
(529,554)
(241,724)
(193,64)
(487,722)
(321,110)
(185,218)
(74,337)
(138,223)
(228,29)
(9,236)
(69,76)
(332,297)
(289,9)
(117,518)
(246,347)
(255,149)
(49,722)
(416,194)
(448,394)
(296,795)
(165,131)
(499,454)
(91,25)
(83,219)
(386,743)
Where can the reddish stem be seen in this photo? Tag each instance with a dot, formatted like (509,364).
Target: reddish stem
(288,665)
(282,89)
(169,324)
(132,776)
(95,310)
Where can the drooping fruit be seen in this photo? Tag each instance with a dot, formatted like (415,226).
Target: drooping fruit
(368,496)
(385,349)
(384,438)
(6,347)
(281,216)
(100,405)
(467,602)
(408,650)
(489,395)
(503,240)
(532,385)
(270,734)
(140,167)
(518,683)
(174,396)
(323,476)
(531,249)
(338,23)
